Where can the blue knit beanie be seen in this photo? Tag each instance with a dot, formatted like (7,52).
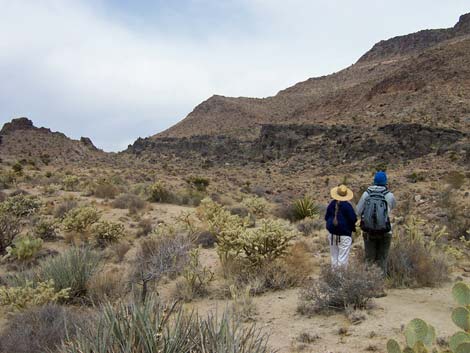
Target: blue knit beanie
(380,179)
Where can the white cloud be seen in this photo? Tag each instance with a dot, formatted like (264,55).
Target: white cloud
(70,66)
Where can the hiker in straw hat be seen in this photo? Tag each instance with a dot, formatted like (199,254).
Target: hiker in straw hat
(340,220)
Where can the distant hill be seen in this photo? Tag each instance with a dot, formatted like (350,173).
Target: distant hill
(20,139)
(421,77)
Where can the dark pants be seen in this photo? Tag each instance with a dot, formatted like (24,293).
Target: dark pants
(377,248)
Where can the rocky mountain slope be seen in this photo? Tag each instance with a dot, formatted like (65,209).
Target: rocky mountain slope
(20,139)
(406,92)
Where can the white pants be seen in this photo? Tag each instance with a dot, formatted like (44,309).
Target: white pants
(340,247)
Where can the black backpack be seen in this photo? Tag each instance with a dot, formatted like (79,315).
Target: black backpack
(374,218)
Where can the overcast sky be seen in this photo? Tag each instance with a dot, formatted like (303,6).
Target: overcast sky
(114,70)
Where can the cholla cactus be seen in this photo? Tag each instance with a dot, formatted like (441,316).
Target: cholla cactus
(267,242)
(24,248)
(80,219)
(107,232)
(257,206)
(18,298)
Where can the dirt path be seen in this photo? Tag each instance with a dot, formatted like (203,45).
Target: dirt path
(276,314)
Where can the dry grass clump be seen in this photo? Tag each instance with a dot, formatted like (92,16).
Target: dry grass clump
(40,329)
(107,285)
(341,288)
(104,189)
(64,207)
(415,261)
(145,227)
(129,201)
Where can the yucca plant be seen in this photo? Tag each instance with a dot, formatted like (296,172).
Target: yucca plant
(151,327)
(72,269)
(304,207)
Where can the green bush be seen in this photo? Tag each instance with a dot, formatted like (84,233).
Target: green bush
(159,192)
(17,168)
(70,183)
(199,183)
(105,232)
(24,248)
(80,219)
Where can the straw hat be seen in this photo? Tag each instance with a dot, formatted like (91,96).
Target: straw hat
(341,193)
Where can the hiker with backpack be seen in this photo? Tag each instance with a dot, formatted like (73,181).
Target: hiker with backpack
(341,221)
(374,209)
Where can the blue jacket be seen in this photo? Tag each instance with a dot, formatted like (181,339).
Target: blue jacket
(346,218)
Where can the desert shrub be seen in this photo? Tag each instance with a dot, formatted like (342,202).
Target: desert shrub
(304,208)
(105,232)
(415,261)
(7,179)
(130,201)
(159,193)
(104,189)
(3,196)
(71,269)
(339,288)
(80,219)
(455,179)
(17,168)
(45,229)
(308,226)
(107,285)
(64,207)
(151,327)
(243,306)
(188,197)
(70,183)
(24,248)
(458,222)
(196,278)
(9,228)
(416,177)
(205,239)
(198,182)
(145,227)
(20,205)
(40,329)
(158,257)
(257,206)
(19,298)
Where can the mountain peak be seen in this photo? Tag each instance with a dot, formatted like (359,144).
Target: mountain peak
(17,124)
(463,26)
